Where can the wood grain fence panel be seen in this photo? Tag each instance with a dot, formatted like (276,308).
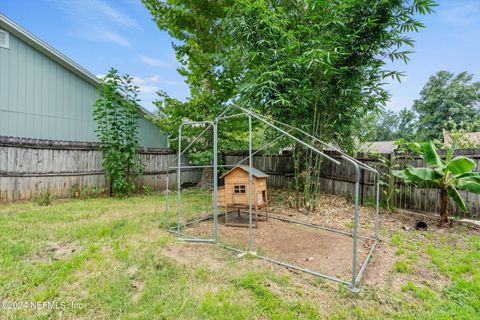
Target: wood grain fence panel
(340,180)
(29,167)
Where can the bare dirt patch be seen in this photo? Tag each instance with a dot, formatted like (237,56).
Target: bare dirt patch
(315,249)
(195,254)
(53,250)
(325,252)
(332,211)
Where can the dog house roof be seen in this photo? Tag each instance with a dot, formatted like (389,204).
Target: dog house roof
(255,172)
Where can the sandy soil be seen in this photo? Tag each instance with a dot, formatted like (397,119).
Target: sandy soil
(318,250)
(315,249)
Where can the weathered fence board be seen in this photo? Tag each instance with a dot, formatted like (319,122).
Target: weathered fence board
(340,180)
(29,167)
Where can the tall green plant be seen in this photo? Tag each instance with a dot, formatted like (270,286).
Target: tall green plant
(449,175)
(316,65)
(116,113)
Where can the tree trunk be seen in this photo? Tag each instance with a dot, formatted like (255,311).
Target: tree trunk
(206,180)
(443,207)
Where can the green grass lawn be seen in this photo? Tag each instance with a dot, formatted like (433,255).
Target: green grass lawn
(105,258)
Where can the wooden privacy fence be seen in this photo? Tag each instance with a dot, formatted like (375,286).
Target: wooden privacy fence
(340,179)
(31,166)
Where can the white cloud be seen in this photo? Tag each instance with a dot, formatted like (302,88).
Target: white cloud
(111,13)
(138,81)
(96,20)
(95,12)
(109,36)
(148,89)
(171,82)
(154,78)
(461,15)
(157,79)
(154,62)
(152,84)
(462,19)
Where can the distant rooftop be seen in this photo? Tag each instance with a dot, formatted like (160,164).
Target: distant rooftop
(378,147)
(467,140)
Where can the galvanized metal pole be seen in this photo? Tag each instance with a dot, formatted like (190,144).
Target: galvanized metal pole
(363,165)
(355,228)
(377,209)
(250,242)
(166,201)
(215,183)
(195,139)
(179,164)
(294,138)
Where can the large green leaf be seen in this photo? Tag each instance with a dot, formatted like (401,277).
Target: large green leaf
(461,165)
(419,183)
(426,184)
(452,192)
(470,184)
(400,174)
(451,150)
(423,174)
(431,156)
(475,176)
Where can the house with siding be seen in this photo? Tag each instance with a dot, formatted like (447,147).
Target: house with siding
(47,131)
(46,95)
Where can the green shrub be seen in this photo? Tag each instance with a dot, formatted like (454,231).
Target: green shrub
(448,176)
(147,189)
(45,199)
(116,114)
(97,191)
(74,190)
(85,192)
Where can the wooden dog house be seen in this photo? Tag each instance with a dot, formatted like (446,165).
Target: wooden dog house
(235,192)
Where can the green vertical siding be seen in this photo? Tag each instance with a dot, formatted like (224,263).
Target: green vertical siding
(40,98)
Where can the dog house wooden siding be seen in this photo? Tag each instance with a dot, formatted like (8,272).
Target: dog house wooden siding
(235,191)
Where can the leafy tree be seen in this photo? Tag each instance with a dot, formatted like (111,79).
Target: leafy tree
(387,126)
(316,65)
(116,113)
(449,175)
(392,126)
(319,65)
(365,129)
(407,125)
(448,102)
(210,73)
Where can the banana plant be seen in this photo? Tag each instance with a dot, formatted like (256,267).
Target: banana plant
(449,176)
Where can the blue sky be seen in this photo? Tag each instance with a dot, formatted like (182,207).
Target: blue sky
(99,34)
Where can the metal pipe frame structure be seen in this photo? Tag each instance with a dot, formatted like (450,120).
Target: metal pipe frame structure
(288,132)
